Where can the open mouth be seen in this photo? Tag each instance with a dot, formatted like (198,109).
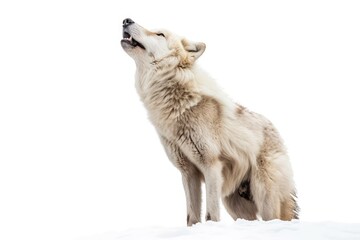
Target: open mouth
(127,38)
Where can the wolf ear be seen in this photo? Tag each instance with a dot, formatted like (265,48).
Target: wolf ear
(194,49)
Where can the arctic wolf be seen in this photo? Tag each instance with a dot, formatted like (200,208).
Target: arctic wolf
(237,153)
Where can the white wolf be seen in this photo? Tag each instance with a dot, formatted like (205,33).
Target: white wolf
(237,153)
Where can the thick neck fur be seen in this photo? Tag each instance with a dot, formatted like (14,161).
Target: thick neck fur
(166,91)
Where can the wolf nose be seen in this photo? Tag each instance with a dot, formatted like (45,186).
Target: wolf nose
(127,22)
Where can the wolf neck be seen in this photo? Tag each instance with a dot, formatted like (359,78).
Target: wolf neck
(167,93)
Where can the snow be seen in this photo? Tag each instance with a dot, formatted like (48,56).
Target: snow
(242,229)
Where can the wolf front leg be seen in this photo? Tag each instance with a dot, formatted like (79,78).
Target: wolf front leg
(213,184)
(192,187)
(191,178)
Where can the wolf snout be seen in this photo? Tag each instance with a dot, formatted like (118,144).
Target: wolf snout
(127,22)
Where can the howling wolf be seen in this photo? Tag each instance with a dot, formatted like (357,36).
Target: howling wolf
(237,153)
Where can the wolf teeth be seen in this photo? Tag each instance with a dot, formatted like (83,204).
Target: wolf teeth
(130,38)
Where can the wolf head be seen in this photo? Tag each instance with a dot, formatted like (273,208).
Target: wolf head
(151,47)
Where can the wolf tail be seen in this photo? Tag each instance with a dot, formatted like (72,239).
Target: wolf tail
(290,208)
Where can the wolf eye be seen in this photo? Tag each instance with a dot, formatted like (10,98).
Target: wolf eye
(160,34)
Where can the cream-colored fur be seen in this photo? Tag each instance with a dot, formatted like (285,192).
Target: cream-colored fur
(239,154)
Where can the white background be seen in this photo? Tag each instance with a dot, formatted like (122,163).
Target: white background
(77,153)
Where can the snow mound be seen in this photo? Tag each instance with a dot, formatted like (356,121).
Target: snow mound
(241,229)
